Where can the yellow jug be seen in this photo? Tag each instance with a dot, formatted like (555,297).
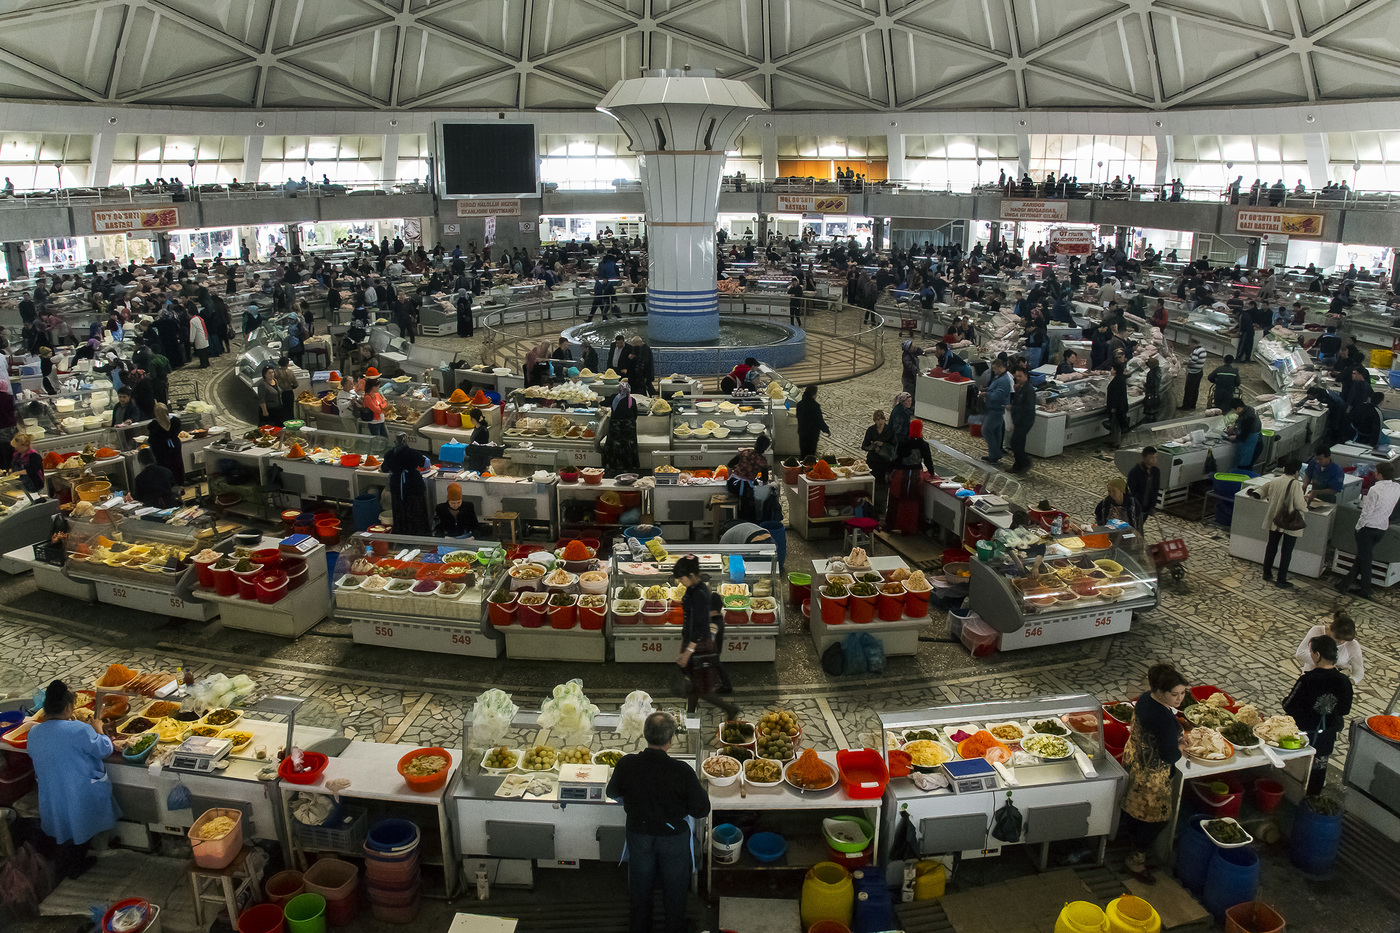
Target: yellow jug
(1128,914)
(1081,917)
(929,879)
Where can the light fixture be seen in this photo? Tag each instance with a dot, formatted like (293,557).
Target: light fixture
(1311,118)
(1021,122)
(112,120)
(261,123)
(1158,123)
(393,122)
(894,123)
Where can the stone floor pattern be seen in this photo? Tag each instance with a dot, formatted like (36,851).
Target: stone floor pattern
(1220,625)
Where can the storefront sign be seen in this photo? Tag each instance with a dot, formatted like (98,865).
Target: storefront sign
(1289,222)
(490,230)
(1077,241)
(123,221)
(814,204)
(1034,210)
(488,207)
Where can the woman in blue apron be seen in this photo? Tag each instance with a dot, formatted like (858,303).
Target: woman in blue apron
(408,494)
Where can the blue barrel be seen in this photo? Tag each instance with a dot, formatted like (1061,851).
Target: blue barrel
(1394,377)
(366,510)
(779,534)
(1313,845)
(332,557)
(1193,852)
(1226,485)
(874,911)
(1232,878)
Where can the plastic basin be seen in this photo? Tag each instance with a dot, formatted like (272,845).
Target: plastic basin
(305,913)
(262,918)
(767,847)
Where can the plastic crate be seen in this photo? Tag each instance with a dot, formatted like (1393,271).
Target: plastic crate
(1168,552)
(344,832)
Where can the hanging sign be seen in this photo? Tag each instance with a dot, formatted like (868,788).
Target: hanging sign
(487,207)
(1077,241)
(1292,223)
(814,204)
(1034,210)
(121,221)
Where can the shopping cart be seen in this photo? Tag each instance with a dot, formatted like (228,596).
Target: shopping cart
(1170,555)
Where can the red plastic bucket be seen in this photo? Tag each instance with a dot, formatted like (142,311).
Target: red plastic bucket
(296,577)
(564,617)
(205,569)
(247,582)
(502,613)
(849,860)
(1115,737)
(916,603)
(862,609)
(889,608)
(270,585)
(225,583)
(591,619)
(798,590)
(328,532)
(834,610)
(736,617)
(531,616)
(284,886)
(453,419)
(1268,794)
(628,618)
(264,918)
(440,416)
(265,556)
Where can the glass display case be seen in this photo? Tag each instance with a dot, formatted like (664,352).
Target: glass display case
(1373,768)
(139,564)
(252,360)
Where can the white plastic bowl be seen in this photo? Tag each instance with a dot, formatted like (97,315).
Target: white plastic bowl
(724,781)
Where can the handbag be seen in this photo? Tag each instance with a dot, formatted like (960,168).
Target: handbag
(1290,519)
(704,666)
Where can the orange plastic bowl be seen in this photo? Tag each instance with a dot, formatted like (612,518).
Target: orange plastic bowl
(430,782)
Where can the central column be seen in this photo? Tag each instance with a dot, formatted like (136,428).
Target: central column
(679,123)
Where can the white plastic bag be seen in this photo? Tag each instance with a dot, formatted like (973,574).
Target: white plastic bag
(635,710)
(492,716)
(569,714)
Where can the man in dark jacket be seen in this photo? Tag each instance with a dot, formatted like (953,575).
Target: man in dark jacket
(1226,379)
(1022,409)
(1144,481)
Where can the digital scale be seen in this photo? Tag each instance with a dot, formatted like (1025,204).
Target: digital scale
(200,753)
(583,783)
(971,776)
(993,504)
(300,544)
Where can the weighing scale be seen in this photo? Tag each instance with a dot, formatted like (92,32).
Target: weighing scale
(580,783)
(200,753)
(301,544)
(971,776)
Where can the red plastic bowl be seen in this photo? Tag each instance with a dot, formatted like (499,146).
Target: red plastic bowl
(863,773)
(318,764)
(429,782)
(1202,692)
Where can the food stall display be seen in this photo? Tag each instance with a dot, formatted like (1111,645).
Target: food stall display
(942,397)
(1373,768)
(819,500)
(553,606)
(1072,411)
(587,504)
(682,509)
(276,586)
(571,432)
(645,615)
(1049,751)
(882,596)
(24,519)
(1085,586)
(140,564)
(708,432)
(418,593)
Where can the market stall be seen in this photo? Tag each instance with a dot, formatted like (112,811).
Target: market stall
(880,596)
(418,593)
(943,398)
(1249,534)
(277,585)
(819,501)
(1047,752)
(139,564)
(1373,769)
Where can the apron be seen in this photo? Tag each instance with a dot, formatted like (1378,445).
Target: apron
(1149,795)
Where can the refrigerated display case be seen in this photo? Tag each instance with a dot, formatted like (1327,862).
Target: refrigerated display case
(1373,771)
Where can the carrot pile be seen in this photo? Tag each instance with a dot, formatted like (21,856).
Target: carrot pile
(1385,726)
(810,771)
(117,675)
(576,550)
(979,744)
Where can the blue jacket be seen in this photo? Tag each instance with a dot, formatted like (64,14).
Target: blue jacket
(999,393)
(1328,477)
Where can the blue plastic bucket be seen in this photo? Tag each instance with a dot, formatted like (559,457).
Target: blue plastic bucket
(1231,878)
(779,534)
(1225,487)
(1313,845)
(366,509)
(1193,852)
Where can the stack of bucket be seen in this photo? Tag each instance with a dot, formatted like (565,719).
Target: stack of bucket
(1126,914)
(338,883)
(392,870)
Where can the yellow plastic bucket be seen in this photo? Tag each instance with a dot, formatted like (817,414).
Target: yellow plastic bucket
(1081,917)
(1128,914)
(1381,359)
(827,894)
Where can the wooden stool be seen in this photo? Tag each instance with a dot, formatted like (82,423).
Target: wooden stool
(226,886)
(908,325)
(723,509)
(860,532)
(506,521)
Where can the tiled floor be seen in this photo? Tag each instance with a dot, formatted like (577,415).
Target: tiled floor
(1221,626)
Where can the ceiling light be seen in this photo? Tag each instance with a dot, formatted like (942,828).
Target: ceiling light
(1021,122)
(894,123)
(393,122)
(261,123)
(112,120)
(1311,118)
(1158,123)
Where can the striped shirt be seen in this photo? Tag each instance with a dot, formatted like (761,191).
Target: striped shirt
(1197,361)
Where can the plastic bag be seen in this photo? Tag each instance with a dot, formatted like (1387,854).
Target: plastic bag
(491,719)
(569,713)
(311,809)
(635,710)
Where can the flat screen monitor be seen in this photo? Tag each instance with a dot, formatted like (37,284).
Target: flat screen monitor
(488,160)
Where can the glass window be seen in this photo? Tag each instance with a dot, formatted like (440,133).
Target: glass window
(39,161)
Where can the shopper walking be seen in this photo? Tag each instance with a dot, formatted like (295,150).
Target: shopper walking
(699,658)
(660,795)
(1195,370)
(810,423)
(1117,401)
(1155,744)
(269,397)
(1371,526)
(1284,520)
(1022,420)
(997,396)
(1319,703)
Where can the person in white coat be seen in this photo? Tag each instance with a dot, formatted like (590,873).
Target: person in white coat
(199,339)
(1285,497)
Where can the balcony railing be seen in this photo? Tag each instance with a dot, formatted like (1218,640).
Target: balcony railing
(120,195)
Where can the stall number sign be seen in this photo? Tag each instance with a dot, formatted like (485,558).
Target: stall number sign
(1075,628)
(1013,209)
(813,204)
(123,221)
(120,592)
(488,207)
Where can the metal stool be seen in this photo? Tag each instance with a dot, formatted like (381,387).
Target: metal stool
(860,532)
(227,886)
(506,521)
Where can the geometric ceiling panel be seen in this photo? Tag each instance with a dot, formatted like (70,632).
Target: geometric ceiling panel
(808,55)
(1040,22)
(1191,52)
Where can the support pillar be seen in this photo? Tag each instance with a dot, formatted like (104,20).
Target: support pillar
(389,168)
(104,147)
(1315,145)
(15,260)
(252,160)
(877,233)
(1166,155)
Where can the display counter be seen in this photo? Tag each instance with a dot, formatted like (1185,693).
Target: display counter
(25,519)
(1053,431)
(1249,535)
(817,508)
(1372,773)
(305,602)
(418,593)
(892,615)
(683,509)
(941,400)
(645,617)
(1082,593)
(140,565)
(1074,796)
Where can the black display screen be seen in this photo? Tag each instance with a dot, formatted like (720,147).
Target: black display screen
(489,159)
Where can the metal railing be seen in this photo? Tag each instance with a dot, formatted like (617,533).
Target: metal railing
(118,195)
(838,325)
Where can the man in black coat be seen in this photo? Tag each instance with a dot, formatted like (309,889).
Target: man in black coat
(1022,409)
(1145,480)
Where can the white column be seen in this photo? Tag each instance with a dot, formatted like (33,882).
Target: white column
(1166,156)
(104,146)
(252,160)
(769,143)
(1315,144)
(389,170)
(1023,154)
(894,143)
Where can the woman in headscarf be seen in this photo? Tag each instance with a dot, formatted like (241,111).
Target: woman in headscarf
(163,437)
(906,498)
(466,327)
(46,370)
(747,470)
(455,518)
(909,359)
(620,446)
(408,494)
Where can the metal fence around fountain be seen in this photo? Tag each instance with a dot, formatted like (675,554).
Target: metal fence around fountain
(847,346)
